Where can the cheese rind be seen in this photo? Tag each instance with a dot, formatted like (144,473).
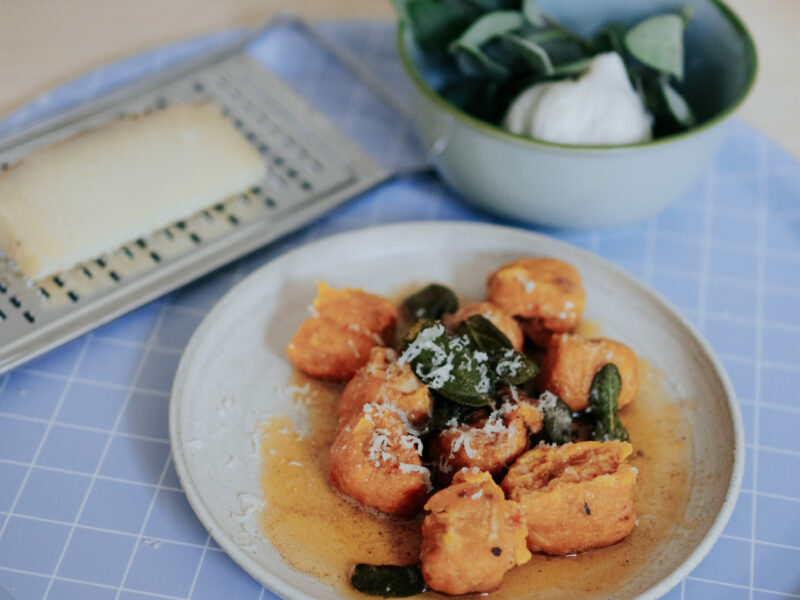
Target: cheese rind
(91,193)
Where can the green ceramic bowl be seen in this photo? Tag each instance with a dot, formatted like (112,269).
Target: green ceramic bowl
(585,187)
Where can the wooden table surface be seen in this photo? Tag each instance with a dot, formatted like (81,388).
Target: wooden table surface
(46,42)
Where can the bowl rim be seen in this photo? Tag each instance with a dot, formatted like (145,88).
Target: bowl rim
(752,65)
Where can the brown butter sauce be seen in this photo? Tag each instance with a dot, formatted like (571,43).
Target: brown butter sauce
(320,533)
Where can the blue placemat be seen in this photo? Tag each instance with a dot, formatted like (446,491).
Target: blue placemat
(90,506)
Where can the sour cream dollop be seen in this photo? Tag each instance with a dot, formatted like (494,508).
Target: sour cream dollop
(599,108)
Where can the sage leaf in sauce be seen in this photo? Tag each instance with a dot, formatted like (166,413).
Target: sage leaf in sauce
(388,581)
(658,43)
(445,411)
(449,364)
(485,335)
(510,366)
(604,403)
(556,419)
(431,302)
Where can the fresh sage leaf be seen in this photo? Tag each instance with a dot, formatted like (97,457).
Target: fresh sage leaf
(556,419)
(490,5)
(658,43)
(610,38)
(534,55)
(474,62)
(467,47)
(571,69)
(534,14)
(431,302)
(490,25)
(388,581)
(435,23)
(604,403)
(676,104)
(450,365)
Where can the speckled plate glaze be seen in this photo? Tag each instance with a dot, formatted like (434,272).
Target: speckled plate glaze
(234,374)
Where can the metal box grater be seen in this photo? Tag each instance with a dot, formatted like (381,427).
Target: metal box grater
(312,168)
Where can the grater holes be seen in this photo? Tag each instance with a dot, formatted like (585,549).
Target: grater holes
(206,218)
(72,296)
(155,256)
(195,238)
(60,282)
(291,173)
(306,185)
(87,273)
(270,202)
(100,263)
(29,317)
(277,182)
(141,243)
(2,316)
(250,136)
(128,253)
(166,234)
(3,286)
(43,293)
(15,302)
(181,225)
(114,275)
(161,102)
(233,220)
(198,87)
(219,208)
(263,148)
(278,160)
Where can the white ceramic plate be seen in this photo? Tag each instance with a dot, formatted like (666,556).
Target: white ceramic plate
(234,369)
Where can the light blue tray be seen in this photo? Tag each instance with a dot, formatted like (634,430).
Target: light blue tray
(90,506)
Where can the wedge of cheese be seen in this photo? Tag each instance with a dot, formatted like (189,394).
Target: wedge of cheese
(92,193)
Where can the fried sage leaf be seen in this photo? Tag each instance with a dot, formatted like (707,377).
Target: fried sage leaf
(658,43)
(431,302)
(556,419)
(449,364)
(388,581)
(604,402)
(508,365)
(445,412)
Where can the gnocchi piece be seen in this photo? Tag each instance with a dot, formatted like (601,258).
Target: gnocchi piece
(336,342)
(490,442)
(376,462)
(505,323)
(543,289)
(472,536)
(576,496)
(571,362)
(383,381)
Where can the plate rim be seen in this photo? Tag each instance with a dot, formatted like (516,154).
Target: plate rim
(267,579)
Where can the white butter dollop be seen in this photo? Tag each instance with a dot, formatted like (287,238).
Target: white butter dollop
(599,108)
